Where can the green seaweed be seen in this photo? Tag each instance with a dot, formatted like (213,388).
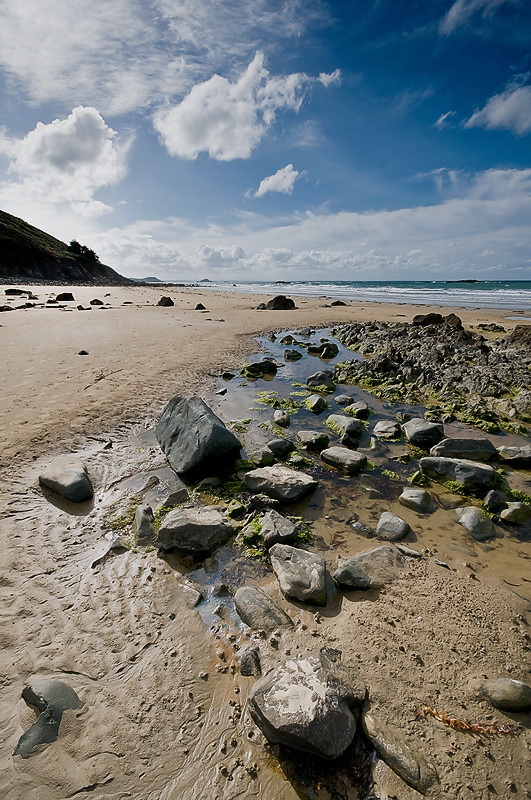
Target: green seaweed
(419,479)
(390,474)
(456,488)
(240,425)
(275,401)
(519,496)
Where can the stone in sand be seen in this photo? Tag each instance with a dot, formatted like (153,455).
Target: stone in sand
(280,303)
(64,296)
(259,611)
(96,302)
(371,569)
(515,513)
(313,440)
(495,501)
(198,529)
(301,575)
(348,461)
(519,457)
(276,529)
(470,474)
(477,523)
(427,319)
(391,527)
(280,483)
(479,449)
(386,429)
(51,698)
(144,524)
(68,476)
(307,704)
(418,499)
(194,439)
(508,694)
(165,302)
(422,433)
(315,403)
(250,666)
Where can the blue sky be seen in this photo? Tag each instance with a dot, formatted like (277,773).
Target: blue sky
(273,139)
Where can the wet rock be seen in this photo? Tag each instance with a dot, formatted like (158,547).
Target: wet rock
(521,336)
(289,339)
(96,302)
(362,530)
(301,575)
(260,502)
(259,611)
(292,355)
(197,529)
(419,500)
(64,296)
(259,369)
(471,449)
(276,529)
(51,698)
(494,501)
(391,527)
(348,461)
(408,765)
(281,418)
(348,429)
(515,513)
(323,378)
(194,439)
(144,524)
(477,523)
(280,447)
(306,704)
(263,457)
(508,694)
(370,570)
(519,457)
(358,409)
(387,429)
(175,492)
(343,399)
(324,350)
(68,476)
(427,319)
(250,666)
(280,303)
(315,403)
(470,474)
(165,302)
(305,332)
(280,483)
(422,433)
(313,440)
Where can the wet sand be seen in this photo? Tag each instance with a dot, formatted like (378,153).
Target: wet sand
(164,715)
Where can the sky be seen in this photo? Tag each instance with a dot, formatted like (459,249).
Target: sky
(273,139)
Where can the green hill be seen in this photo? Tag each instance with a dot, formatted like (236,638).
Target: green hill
(28,254)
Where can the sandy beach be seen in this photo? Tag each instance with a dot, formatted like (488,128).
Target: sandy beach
(164,712)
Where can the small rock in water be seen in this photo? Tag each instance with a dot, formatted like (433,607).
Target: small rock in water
(323,378)
(276,529)
(263,457)
(422,433)
(96,302)
(292,355)
(280,447)
(386,429)
(343,399)
(281,418)
(280,483)
(515,513)
(348,461)
(418,499)
(315,403)
(477,523)
(313,440)
(359,409)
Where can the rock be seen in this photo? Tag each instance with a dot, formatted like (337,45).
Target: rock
(495,501)
(315,403)
(280,483)
(144,524)
(281,418)
(15,292)
(471,449)
(324,350)
(359,409)
(470,474)
(419,500)
(51,698)
(259,611)
(68,476)
(250,666)
(343,399)
(422,433)
(453,321)
(289,339)
(427,319)
(305,332)
(477,523)
(520,336)
(408,765)
(313,440)
(338,303)
(175,492)
(292,355)
(508,694)
(6,308)
(197,529)
(301,575)
(96,302)
(261,307)
(199,307)
(348,461)
(263,457)
(391,527)
(519,457)
(280,303)
(259,369)
(276,529)
(515,513)
(194,439)
(83,353)
(370,570)
(280,447)
(387,429)
(306,703)
(64,296)
(322,379)
(362,530)
(348,429)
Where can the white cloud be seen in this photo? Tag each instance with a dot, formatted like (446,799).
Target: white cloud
(463,10)
(330,78)
(510,110)
(64,162)
(228,120)
(282,181)
(444,120)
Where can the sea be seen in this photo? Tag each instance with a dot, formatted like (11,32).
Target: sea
(507,295)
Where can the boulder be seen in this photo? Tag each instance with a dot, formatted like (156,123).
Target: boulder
(358,409)
(259,611)
(280,447)
(479,449)
(276,529)
(419,500)
(281,418)
(144,524)
(386,429)
(51,698)
(338,303)
(370,570)
(495,501)
(391,527)
(259,369)
(263,457)
(470,474)
(508,694)
(165,301)
(196,529)
(515,513)
(519,457)
(315,403)
(348,461)
(292,355)
(428,319)
(307,704)
(68,476)
(520,336)
(199,307)
(323,378)
(422,433)
(313,440)
(64,297)
(96,302)
(324,349)
(280,483)
(343,399)
(477,523)
(301,575)
(194,439)
(280,303)
(349,429)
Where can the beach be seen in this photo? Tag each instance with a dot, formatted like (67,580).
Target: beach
(164,713)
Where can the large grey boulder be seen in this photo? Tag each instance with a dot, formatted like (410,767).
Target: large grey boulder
(51,698)
(419,500)
(196,529)
(315,403)
(479,449)
(470,474)
(422,433)
(477,523)
(194,439)
(281,483)
(276,529)
(519,457)
(307,704)
(515,513)
(358,409)
(323,378)
(68,476)
(301,575)
(371,569)
(349,429)
(280,447)
(386,429)
(508,694)
(348,461)
(259,611)
(313,440)
(391,527)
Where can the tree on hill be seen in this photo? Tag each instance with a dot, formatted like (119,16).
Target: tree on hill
(82,250)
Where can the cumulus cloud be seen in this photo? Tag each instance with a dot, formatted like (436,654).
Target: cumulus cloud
(228,119)
(330,78)
(462,11)
(282,181)
(65,161)
(510,110)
